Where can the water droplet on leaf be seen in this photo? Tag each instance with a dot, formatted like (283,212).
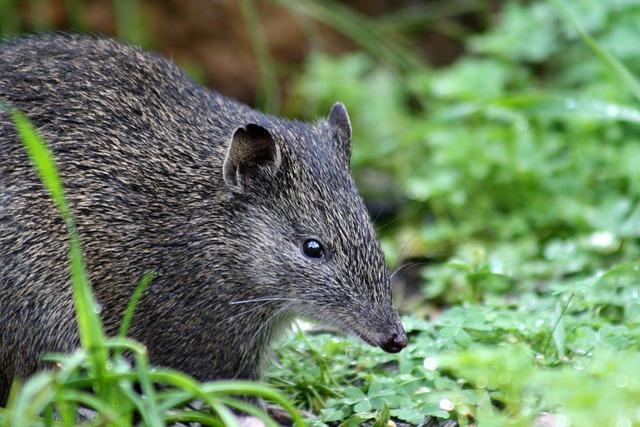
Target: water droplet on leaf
(446,405)
(430,363)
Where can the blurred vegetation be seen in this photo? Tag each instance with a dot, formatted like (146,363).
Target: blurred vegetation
(503,174)
(517,166)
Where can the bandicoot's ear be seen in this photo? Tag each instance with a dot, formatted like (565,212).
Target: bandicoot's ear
(252,155)
(341,125)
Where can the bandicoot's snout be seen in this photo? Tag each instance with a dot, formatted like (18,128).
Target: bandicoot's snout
(389,334)
(394,342)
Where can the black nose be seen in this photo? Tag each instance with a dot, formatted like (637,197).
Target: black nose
(394,343)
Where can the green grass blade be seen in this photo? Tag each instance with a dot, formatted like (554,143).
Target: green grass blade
(42,159)
(226,416)
(67,410)
(10,22)
(557,105)
(182,381)
(618,67)
(548,105)
(172,399)
(48,416)
(153,416)
(138,403)
(129,23)
(108,414)
(360,29)
(269,90)
(248,409)
(89,324)
(149,408)
(32,400)
(417,16)
(193,417)
(133,303)
(253,389)
(75,12)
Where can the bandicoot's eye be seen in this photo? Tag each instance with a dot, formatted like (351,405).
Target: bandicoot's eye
(312,249)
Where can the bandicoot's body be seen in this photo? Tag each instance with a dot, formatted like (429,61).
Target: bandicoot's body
(248,220)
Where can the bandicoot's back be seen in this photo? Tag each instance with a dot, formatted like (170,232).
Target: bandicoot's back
(248,220)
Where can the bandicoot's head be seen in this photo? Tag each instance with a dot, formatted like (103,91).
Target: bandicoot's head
(303,232)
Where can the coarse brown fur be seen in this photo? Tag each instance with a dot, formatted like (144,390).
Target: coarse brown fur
(163,175)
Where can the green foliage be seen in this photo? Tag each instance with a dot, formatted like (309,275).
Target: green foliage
(506,360)
(517,171)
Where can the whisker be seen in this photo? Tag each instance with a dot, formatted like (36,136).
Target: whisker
(404,247)
(395,190)
(268,322)
(407,266)
(245,312)
(391,221)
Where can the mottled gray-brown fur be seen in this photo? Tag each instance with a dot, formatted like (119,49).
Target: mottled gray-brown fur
(141,149)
